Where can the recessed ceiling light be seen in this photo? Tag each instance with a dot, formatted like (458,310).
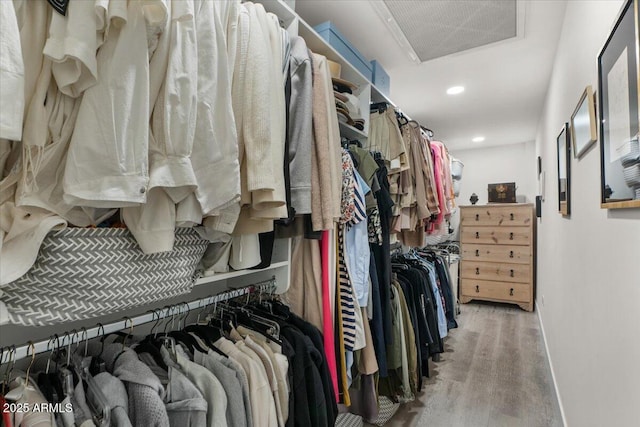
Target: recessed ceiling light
(455,90)
(478,139)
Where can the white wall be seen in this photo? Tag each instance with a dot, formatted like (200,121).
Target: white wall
(588,290)
(507,163)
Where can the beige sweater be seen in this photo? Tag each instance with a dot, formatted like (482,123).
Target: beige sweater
(326,164)
(259,93)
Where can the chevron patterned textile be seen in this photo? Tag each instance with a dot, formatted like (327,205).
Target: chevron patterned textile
(82,273)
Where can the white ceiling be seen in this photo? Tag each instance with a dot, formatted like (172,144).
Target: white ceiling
(506,82)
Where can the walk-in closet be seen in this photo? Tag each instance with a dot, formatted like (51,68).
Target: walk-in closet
(283,213)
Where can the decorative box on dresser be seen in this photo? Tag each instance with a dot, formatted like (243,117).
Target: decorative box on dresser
(498,253)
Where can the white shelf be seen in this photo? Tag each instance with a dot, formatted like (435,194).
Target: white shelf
(378,96)
(238,273)
(350,132)
(319,45)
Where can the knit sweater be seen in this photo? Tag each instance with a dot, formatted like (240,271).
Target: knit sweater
(326,157)
(260,96)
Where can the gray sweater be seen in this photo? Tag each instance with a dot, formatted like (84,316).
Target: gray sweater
(116,395)
(300,126)
(146,393)
(236,415)
(185,405)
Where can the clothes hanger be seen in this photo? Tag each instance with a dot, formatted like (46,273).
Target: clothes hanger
(124,341)
(208,335)
(65,372)
(272,297)
(17,393)
(380,107)
(98,364)
(147,346)
(100,410)
(152,343)
(401,118)
(154,338)
(228,317)
(98,406)
(266,321)
(185,338)
(266,308)
(6,381)
(251,320)
(428,131)
(206,332)
(49,382)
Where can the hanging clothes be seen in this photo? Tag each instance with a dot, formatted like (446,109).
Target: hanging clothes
(382,252)
(326,169)
(11,74)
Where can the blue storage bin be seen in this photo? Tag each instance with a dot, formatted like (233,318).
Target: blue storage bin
(331,34)
(380,79)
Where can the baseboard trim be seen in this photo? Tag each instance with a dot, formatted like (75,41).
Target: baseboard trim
(553,373)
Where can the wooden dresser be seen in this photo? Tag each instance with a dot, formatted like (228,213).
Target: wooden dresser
(498,253)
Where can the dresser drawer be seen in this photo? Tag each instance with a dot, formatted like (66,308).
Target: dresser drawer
(501,291)
(519,236)
(497,216)
(495,253)
(518,273)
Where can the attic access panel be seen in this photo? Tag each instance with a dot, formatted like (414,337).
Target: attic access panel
(437,28)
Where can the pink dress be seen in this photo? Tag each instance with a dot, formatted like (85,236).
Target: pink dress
(437,173)
(328,332)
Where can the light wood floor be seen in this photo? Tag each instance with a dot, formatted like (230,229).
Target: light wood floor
(494,373)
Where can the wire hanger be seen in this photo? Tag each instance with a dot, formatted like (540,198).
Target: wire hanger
(380,107)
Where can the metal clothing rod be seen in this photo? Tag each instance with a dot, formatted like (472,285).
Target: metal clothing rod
(28,349)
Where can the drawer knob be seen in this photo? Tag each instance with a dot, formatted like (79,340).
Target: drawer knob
(477,252)
(511,273)
(477,270)
(510,254)
(477,235)
(511,292)
(477,289)
(510,236)
(511,216)
(477,217)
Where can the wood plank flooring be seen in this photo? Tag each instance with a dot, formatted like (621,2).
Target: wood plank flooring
(493,373)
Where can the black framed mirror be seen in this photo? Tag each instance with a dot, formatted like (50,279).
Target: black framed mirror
(564,171)
(619,111)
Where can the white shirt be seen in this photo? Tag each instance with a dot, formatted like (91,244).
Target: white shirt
(172,100)
(73,42)
(11,75)
(107,163)
(215,147)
